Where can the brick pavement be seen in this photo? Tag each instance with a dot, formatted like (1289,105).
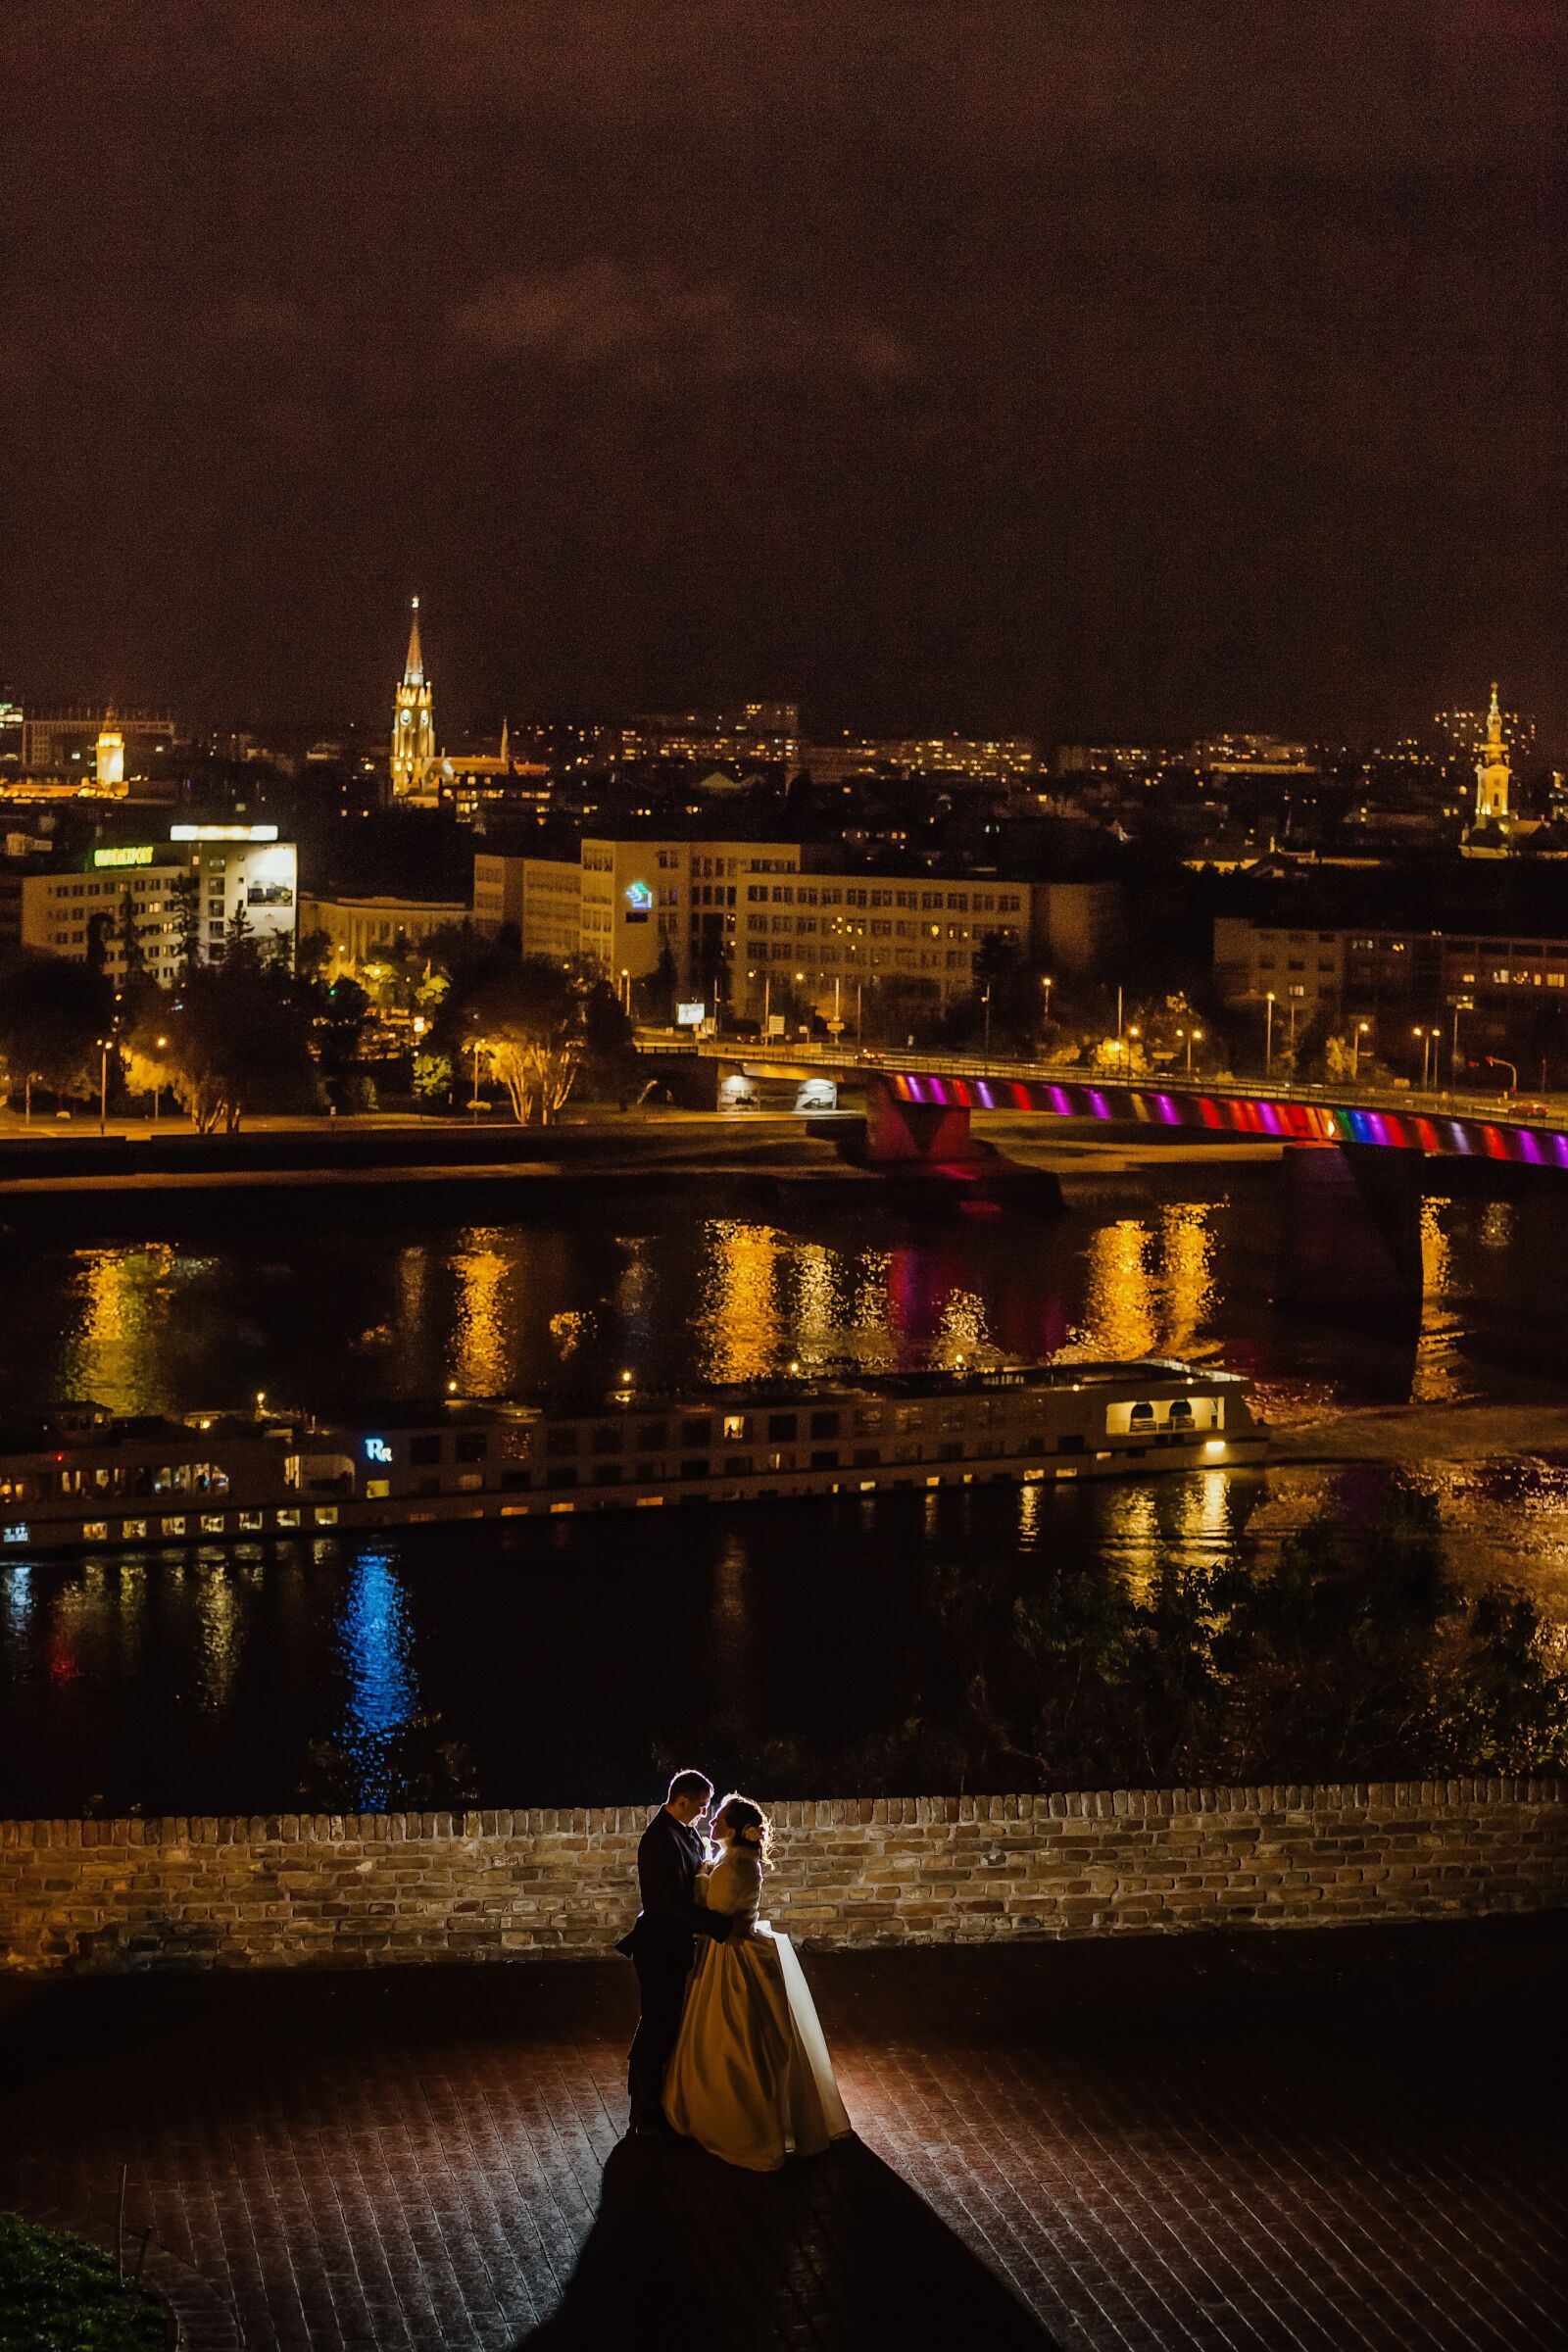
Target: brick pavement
(1310,2141)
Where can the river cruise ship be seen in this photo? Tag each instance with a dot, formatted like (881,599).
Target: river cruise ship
(82,1477)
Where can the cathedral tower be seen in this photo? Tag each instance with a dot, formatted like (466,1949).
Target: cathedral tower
(1492,771)
(413,725)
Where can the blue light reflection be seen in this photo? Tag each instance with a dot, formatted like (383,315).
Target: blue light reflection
(376,1645)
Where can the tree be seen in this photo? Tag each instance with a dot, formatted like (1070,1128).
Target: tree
(128,930)
(610,1047)
(655,991)
(53,1013)
(234,1038)
(188,921)
(1356,1656)
(312,953)
(530,1023)
(343,1012)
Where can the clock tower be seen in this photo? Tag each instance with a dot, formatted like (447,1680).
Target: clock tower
(413,725)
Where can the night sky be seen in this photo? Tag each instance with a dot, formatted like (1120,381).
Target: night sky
(1067,366)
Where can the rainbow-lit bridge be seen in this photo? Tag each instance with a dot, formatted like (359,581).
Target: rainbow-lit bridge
(1356,1164)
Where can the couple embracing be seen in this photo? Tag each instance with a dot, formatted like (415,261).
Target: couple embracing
(729,2051)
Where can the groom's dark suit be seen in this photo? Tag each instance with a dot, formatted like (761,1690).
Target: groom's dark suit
(659,1948)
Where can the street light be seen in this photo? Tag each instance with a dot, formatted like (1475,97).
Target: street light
(985,1001)
(103,1083)
(1194,1037)
(1044,1009)
(1429,1038)
(475,1048)
(1497,1061)
(1268,1034)
(1460,1005)
(1362,1029)
(158,1083)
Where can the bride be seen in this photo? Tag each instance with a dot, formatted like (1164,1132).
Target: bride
(751,2080)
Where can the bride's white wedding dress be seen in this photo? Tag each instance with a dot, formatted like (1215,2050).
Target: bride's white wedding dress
(751,2080)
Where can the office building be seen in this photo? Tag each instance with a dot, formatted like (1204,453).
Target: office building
(200,877)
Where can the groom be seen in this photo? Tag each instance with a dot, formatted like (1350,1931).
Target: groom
(659,1945)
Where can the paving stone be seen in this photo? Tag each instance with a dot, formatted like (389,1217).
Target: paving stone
(1339,2141)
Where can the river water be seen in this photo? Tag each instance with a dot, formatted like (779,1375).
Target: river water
(793,1646)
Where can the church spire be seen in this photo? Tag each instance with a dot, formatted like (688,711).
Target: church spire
(1494,772)
(412,745)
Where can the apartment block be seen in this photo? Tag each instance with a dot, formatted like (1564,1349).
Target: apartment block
(740,917)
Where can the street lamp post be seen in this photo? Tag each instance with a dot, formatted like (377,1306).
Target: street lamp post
(1460,1005)
(476,1049)
(1362,1028)
(1268,1034)
(1497,1061)
(985,1001)
(1194,1037)
(103,1084)
(158,1084)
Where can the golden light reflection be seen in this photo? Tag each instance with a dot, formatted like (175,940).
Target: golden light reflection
(964,1335)
(569,1331)
(1132,1536)
(1028,1517)
(1436,1254)
(113,1353)
(485,1338)
(818,1303)
(1497,1225)
(218,1615)
(873,1276)
(739,1327)
(1186,1272)
(1119,1319)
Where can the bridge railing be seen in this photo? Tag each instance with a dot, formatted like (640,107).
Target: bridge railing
(813,1054)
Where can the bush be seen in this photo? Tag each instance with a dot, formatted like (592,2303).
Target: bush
(58,2294)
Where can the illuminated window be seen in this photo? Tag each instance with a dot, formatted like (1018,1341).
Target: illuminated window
(734,1425)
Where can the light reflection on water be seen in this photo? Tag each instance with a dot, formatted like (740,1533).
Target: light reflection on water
(347,1315)
(577,1665)
(16,1589)
(377,1654)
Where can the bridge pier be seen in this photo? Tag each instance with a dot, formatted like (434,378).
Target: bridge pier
(1351,1232)
(925,1135)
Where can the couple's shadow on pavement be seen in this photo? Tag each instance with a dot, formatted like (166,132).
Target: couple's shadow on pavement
(836,2250)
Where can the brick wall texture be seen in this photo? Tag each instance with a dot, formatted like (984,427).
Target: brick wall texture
(329,1890)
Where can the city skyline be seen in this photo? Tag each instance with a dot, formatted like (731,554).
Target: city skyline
(1133,369)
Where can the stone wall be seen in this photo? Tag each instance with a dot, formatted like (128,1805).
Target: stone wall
(297,1890)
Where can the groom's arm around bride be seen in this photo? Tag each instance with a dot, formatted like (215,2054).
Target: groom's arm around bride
(661,1944)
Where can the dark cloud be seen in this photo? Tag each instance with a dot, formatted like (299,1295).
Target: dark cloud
(652,326)
(1053,363)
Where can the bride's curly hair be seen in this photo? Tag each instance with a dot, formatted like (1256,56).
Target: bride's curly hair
(747,1823)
